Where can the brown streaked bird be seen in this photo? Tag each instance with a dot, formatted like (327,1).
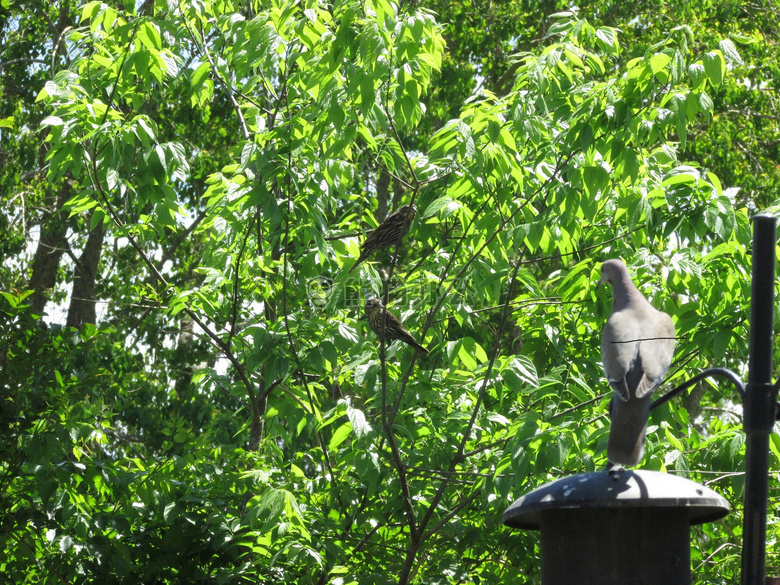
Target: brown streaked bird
(389,232)
(393,328)
(637,347)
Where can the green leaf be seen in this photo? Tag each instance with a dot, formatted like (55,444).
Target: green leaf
(697,74)
(659,62)
(90,9)
(466,353)
(681,173)
(705,102)
(596,180)
(269,507)
(525,369)
(713,178)
(445,203)
(149,36)
(576,284)
(730,51)
(715,67)
(51,121)
(357,419)
(340,436)
(98,217)
(585,137)
(608,40)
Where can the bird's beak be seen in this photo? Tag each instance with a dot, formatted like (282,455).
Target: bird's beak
(601,281)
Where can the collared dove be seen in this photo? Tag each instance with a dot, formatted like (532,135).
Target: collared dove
(637,346)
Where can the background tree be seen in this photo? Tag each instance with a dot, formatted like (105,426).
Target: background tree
(739,143)
(211,170)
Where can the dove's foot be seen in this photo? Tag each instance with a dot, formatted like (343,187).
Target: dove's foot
(614,470)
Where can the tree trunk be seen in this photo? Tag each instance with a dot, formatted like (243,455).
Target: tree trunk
(82,299)
(692,402)
(184,350)
(257,429)
(51,246)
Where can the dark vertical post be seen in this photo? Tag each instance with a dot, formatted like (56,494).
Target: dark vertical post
(760,396)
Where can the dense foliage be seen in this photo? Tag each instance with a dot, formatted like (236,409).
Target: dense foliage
(190,392)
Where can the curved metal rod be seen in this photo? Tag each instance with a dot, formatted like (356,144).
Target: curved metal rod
(705,374)
(723,372)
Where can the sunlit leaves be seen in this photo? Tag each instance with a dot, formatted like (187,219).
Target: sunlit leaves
(607,38)
(714,67)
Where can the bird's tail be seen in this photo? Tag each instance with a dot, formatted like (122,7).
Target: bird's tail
(419,348)
(628,425)
(407,338)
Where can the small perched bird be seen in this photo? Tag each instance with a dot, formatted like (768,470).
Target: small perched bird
(637,346)
(389,232)
(393,328)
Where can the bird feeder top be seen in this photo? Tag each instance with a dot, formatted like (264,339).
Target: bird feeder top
(626,489)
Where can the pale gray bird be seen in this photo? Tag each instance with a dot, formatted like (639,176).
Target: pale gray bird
(637,346)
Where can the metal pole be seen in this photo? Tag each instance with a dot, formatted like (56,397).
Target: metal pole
(759,403)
